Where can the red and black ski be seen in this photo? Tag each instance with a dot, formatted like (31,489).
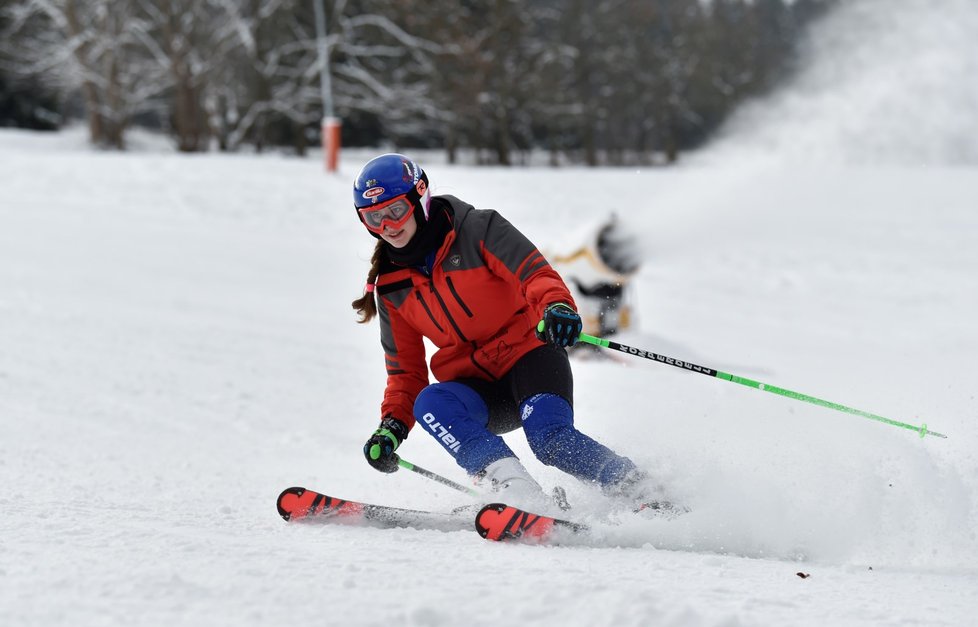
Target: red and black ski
(497,521)
(300,504)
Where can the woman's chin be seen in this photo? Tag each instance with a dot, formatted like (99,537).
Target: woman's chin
(396,239)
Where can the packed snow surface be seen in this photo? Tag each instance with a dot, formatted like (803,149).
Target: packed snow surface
(177,347)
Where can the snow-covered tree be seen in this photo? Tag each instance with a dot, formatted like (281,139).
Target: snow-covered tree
(607,81)
(92,46)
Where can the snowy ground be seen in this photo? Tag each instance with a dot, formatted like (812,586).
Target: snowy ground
(176,347)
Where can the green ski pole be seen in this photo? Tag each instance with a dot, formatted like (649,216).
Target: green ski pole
(403,463)
(685,365)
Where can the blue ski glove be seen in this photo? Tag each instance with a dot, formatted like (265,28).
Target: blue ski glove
(561,325)
(379,449)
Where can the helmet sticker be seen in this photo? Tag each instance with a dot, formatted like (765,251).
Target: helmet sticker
(410,174)
(373,192)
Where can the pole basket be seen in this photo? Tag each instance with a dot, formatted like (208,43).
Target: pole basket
(331,142)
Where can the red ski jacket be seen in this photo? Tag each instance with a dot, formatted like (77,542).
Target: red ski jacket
(487,292)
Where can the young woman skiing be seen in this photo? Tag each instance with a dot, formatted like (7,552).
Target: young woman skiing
(477,288)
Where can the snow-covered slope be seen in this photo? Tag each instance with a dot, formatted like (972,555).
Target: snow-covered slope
(177,346)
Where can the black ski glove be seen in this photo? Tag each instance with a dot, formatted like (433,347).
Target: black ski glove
(561,325)
(379,449)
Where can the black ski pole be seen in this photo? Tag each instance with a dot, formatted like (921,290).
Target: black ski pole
(403,463)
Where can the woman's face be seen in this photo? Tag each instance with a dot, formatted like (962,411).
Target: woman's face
(398,238)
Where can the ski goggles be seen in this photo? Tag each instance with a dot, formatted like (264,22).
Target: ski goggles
(394,213)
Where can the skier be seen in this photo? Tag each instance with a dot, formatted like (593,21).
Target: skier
(477,288)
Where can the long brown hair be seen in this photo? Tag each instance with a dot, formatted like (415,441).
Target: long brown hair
(366,305)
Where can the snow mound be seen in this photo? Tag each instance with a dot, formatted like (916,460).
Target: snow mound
(881,81)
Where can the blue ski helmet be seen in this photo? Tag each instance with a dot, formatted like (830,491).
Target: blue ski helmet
(388,177)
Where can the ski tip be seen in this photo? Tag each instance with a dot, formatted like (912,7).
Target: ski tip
(289,501)
(498,521)
(486,518)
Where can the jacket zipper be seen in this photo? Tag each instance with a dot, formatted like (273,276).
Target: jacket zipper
(461,335)
(428,311)
(444,308)
(458,299)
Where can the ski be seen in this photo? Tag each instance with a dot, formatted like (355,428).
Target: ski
(501,522)
(299,504)
(496,521)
